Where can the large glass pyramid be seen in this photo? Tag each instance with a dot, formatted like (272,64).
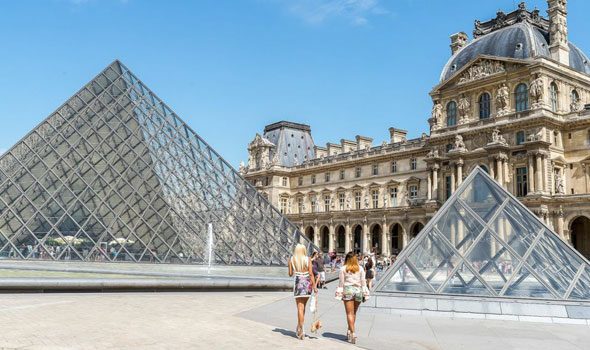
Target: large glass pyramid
(115,175)
(484,242)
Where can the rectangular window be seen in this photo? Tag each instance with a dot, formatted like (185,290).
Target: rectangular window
(588,138)
(413,192)
(284,202)
(375,197)
(357,200)
(394,167)
(341,200)
(375,169)
(300,181)
(520,137)
(313,179)
(521,182)
(327,203)
(327,177)
(413,164)
(314,205)
(300,205)
(357,171)
(393,197)
(284,182)
(266,181)
(342,174)
(447,187)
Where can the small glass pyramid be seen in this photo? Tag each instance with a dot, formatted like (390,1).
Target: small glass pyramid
(484,242)
(115,175)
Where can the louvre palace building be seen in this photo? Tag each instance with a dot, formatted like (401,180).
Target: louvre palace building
(514,100)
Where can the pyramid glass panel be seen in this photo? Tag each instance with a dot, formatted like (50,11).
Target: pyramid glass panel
(484,242)
(115,175)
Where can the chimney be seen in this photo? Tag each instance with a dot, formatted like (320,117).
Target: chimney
(558,40)
(397,135)
(458,41)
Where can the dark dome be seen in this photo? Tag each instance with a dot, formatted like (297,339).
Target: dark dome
(520,40)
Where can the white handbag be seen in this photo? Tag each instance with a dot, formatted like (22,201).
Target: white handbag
(313,303)
(339,292)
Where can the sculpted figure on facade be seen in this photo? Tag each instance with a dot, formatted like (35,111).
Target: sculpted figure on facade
(459,144)
(497,136)
(537,89)
(559,187)
(348,204)
(464,107)
(482,69)
(436,114)
(503,99)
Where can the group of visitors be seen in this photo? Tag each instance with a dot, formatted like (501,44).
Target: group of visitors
(356,276)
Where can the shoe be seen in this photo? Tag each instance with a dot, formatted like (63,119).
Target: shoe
(348,335)
(352,338)
(300,333)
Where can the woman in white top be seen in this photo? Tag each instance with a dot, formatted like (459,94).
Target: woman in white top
(304,284)
(352,289)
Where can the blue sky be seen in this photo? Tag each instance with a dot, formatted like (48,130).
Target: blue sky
(229,67)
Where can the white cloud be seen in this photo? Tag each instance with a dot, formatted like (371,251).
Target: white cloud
(356,12)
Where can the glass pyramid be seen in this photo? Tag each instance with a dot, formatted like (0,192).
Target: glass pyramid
(115,175)
(484,242)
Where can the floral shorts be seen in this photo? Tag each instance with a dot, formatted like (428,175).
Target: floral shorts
(302,288)
(352,293)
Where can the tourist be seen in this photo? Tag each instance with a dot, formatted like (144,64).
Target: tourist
(352,290)
(304,283)
(369,273)
(320,266)
(315,261)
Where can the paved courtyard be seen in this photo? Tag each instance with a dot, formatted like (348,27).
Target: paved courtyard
(242,320)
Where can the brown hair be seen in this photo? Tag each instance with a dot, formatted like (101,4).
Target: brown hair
(351,263)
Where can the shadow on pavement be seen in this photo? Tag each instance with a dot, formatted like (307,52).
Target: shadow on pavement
(335,336)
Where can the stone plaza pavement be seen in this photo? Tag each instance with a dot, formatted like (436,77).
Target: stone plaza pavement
(246,320)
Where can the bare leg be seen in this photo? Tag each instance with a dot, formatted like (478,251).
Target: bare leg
(350,314)
(301,302)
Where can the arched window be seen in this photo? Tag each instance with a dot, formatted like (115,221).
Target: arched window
(553,96)
(575,99)
(451,113)
(522,97)
(484,106)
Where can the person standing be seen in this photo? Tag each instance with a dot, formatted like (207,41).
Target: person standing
(369,272)
(321,268)
(300,267)
(352,289)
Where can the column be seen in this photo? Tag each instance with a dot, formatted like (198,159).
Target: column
(492,167)
(560,226)
(452,178)
(505,169)
(365,239)
(316,236)
(331,240)
(563,178)
(459,172)
(435,181)
(347,239)
(539,179)
(531,175)
(500,171)
(546,182)
(429,184)
(385,243)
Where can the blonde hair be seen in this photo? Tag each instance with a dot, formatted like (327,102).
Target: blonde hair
(299,259)
(351,264)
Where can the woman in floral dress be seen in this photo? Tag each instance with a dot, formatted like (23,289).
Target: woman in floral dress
(304,285)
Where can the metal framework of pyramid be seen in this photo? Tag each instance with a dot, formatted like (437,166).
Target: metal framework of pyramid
(115,175)
(484,242)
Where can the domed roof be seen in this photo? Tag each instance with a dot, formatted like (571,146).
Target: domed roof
(520,40)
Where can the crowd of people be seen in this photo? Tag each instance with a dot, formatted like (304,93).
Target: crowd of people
(356,274)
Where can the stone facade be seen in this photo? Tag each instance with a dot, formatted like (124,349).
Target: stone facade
(522,120)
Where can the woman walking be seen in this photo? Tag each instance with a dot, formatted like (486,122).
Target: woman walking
(300,266)
(369,273)
(352,289)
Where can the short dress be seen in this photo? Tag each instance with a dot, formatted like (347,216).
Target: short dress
(352,285)
(302,287)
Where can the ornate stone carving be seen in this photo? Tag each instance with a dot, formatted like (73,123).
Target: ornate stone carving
(536,90)
(497,137)
(436,114)
(503,99)
(464,108)
(433,153)
(459,144)
(482,69)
